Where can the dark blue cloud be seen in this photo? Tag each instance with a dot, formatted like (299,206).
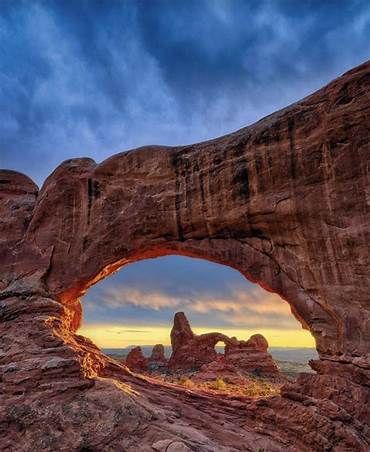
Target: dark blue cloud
(94,77)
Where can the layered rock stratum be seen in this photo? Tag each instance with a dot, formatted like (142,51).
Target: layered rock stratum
(285,201)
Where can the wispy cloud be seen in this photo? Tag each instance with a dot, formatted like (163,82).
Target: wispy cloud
(251,307)
(115,297)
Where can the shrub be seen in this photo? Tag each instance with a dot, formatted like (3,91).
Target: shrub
(219,384)
(258,388)
(186,382)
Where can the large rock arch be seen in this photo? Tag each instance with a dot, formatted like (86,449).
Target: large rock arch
(285,201)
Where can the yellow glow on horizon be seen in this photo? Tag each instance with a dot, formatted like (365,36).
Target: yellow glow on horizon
(120,336)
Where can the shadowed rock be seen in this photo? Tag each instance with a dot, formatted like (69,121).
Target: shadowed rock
(136,361)
(251,355)
(157,360)
(191,351)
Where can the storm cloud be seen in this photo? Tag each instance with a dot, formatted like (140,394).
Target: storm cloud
(90,78)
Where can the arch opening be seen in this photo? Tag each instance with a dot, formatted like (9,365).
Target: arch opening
(220,348)
(130,315)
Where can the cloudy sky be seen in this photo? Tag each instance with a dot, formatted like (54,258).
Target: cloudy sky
(91,78)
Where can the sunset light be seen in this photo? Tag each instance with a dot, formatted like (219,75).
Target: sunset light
(120,336)
(184,225)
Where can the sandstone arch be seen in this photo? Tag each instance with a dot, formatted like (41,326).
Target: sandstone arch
(284,201)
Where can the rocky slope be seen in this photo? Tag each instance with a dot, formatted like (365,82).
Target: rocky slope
(285,201)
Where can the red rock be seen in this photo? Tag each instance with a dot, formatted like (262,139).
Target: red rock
(158,353)
(220,368)
(190,351)
(258,342)
(136,361)
(284,201)
(181,333)
(157,360)
(251,356)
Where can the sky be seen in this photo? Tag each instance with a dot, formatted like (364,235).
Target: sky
(92,78)
(136,305)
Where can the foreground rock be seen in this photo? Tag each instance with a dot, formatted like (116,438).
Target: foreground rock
(284,201)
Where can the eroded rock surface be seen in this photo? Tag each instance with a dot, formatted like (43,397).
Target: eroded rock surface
(191,351)
(285,201)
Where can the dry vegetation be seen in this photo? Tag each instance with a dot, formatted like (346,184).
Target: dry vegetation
(253,387)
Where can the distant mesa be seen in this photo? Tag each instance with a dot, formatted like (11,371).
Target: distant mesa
(197,353)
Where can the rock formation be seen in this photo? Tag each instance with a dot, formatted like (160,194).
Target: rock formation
(158,354)
(136,361)
(190,351)
(157,360)
(284,201)
(251,355)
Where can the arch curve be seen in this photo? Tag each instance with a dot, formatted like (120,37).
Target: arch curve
(266,200)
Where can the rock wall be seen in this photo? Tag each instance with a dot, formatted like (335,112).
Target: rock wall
(284,201)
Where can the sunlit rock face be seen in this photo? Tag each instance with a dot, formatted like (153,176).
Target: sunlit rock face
(285,201)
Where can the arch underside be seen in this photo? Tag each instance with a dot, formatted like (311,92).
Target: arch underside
(251,263)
